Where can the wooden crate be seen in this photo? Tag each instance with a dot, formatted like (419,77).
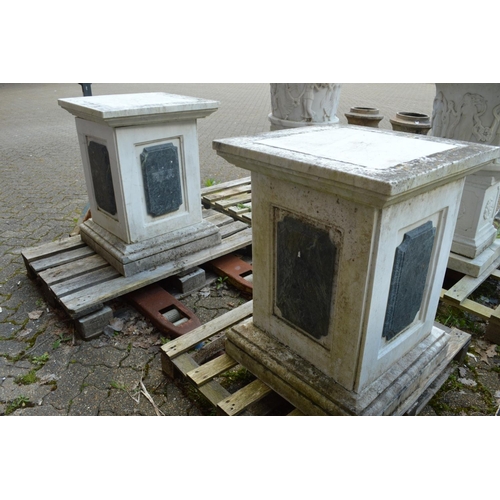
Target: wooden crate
(79,280)
(179,360)
(233,198)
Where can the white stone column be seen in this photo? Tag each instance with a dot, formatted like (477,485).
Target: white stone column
(352,228)
(471,112)
(301,104)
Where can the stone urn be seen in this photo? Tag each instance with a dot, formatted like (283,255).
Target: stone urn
(366,117)
(411,122)
(302,104)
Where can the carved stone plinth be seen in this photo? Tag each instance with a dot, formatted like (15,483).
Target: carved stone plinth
(471,112)
(301,104)
(352,227)
(141,166)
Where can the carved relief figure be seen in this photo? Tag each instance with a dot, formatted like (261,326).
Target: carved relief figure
(466,124)
(439,111)
(305,102)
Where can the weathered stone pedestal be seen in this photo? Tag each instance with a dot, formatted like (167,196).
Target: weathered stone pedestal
(141,165)
(352,229)
(471,112)
(303,104)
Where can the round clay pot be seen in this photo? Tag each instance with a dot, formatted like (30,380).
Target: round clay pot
(366,117)
(414,123)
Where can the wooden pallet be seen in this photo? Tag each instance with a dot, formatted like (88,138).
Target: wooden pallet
(79,280)
(233,198)
(458,295)
(179,361)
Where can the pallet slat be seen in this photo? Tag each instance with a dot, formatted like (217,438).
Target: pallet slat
(242,399)
(61,258)
(186,342)
(212,369)
(52,248)
(73,269)
(224,185)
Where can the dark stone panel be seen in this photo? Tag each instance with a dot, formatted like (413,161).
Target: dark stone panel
(409,275)
(162,180)
(305,272)
(100,170)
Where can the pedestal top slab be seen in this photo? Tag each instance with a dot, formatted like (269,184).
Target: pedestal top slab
(134,109)
(371,165)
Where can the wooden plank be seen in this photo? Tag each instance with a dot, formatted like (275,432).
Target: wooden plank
(78,303)
(464,287)
(224,185)
(81,282)
(220,219)
(61,258)
(233,200)
(242,399)
(211,369)
(233,228)
(212,390)
(219,195)
(187,342)
(73,269)
(239,210)
(295,413)
(52,248)
(472,307)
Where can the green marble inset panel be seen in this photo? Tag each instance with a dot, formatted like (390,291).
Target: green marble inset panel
(409,276)
(100,170)
(162,179)
(305,266)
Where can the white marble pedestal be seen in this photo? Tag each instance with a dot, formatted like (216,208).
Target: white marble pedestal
(141,164)
(471,112)
(352,229)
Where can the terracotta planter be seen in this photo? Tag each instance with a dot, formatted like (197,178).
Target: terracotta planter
(413,123)
(366,117)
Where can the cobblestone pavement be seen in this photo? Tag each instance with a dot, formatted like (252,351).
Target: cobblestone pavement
(44,368)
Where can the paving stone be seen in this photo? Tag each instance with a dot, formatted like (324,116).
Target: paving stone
(176,403)
(88,402)
(59,359)
(12,347)
(7,330)
(106,378)
(119,403)
(69,386)
(9,369)
(36,393)
(137,359)
(107,356)
(43,410)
